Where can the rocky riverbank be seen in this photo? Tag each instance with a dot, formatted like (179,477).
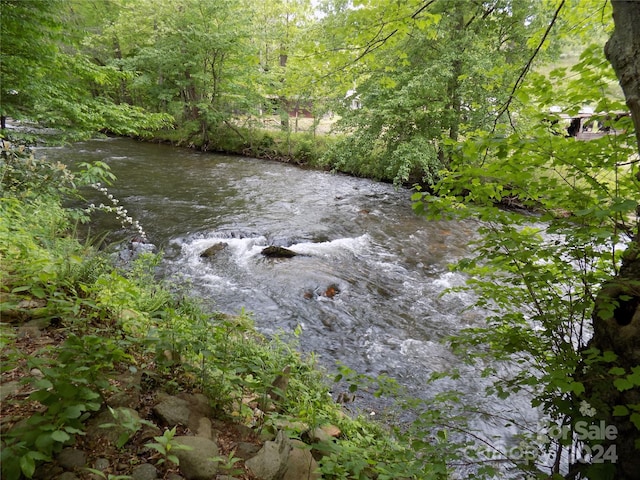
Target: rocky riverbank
(152,425)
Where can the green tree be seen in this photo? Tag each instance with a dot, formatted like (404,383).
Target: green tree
(558,286)
(28,51)
(46,78)
(427,73)
(613,377)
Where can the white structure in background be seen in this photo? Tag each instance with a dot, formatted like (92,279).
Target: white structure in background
(354,99)
(588,125)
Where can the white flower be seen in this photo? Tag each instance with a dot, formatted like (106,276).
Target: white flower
(586,409)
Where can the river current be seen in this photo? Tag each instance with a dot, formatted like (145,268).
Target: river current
(367,288)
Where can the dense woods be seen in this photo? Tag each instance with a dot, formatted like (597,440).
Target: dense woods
(468,101)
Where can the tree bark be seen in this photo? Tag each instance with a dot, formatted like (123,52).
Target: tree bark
(616,316)
(623,52)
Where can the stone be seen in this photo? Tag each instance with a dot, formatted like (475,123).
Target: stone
(274,251)
(246,450)
(199,404)
(97,429)
(8,388)
(70,458)
(204,428)
(146,471)
(67,476)
(326,432)
(101,464)
(213,250)
(173,411)
(271,461)
(196,463)
(300,463)
(47,471)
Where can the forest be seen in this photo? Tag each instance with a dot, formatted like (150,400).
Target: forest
(469,103)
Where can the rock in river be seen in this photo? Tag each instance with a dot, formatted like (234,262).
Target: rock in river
(274,251)
(213,250)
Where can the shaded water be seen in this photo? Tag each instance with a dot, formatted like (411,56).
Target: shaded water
(356,238)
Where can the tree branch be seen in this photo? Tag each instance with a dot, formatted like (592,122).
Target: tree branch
(527,67)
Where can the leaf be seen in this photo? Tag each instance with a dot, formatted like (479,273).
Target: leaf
(60,436)
(620,411)
(618,371)
(43,384)
(635,376)
(73,411)
(622,384)
(38,292)
(27,465)
(122,440)
(635,418)
(23,288)
(576,387)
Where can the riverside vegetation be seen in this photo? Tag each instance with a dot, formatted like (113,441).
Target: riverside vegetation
(452,95)
(79,334)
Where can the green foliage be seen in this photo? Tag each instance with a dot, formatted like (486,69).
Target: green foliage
(164,445)
(24,176)
(28,35)
(226,464)
(552,214)
(70,387)
(426,75)
(130,424)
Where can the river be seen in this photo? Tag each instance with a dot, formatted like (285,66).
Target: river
(366,289)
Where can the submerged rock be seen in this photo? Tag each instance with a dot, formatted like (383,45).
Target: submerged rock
(274,251)
(213,250)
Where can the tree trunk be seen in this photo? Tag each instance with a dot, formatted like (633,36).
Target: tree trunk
(623,52)
(616,316)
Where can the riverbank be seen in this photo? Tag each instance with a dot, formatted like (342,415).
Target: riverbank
(304,148)
(93,350)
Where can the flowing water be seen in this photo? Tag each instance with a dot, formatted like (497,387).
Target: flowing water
(366,288)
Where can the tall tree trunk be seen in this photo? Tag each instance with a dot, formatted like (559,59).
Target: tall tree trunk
(616,316)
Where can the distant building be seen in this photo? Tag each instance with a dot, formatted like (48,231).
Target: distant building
(588,125)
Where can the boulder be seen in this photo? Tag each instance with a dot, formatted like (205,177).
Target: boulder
(173,411)
(301,464)
(106,426)
(196,462)
(213,250)
(70,458)
(271,461)
(284,459)
(145,471)
(274,251)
